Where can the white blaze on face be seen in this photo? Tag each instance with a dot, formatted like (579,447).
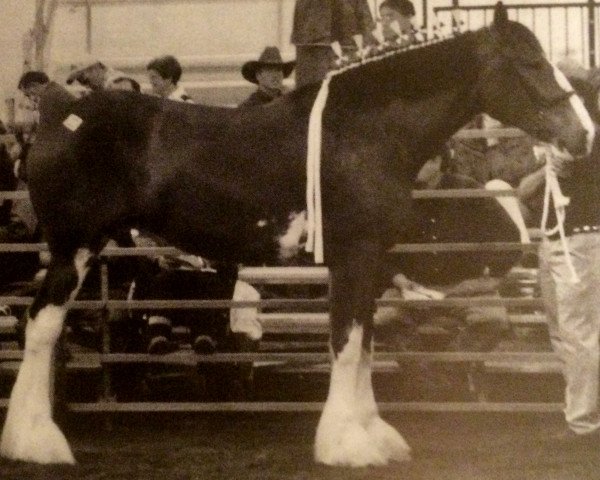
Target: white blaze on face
(578,106)
(289,242)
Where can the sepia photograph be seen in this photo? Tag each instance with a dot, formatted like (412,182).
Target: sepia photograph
(300,240)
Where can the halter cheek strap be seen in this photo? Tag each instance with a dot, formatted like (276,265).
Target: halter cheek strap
(577,105)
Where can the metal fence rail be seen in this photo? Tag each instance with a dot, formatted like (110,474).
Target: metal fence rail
(563,28)
(105,359)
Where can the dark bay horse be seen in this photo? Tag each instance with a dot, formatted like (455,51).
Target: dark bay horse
(230,185)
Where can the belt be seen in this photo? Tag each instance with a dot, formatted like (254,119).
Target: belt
(575,230)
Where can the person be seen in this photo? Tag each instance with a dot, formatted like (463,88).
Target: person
(436,275)
(268,73)
(181,276)
(37,86)
(397,20)
(126,83)
(93,74)
(317,24)
(571,302)
(164,74)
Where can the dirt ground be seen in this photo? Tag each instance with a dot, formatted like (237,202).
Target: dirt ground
(465,446)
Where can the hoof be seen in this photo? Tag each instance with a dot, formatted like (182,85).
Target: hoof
(42,443)
(346,443)
(389,442)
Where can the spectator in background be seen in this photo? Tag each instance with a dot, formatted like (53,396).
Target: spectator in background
(396,20)
(268,73)
(164,74)
(319,23)
(93,75)
(126,83)
(35,85)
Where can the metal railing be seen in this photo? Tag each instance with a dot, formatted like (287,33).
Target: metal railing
(563,28)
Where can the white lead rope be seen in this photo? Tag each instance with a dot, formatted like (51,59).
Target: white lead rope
(314,207)
(552,190)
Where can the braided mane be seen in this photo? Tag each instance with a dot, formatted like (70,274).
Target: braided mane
(409,71)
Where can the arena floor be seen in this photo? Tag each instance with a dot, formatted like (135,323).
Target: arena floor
(472,446)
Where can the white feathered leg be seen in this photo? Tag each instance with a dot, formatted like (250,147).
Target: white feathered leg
(29,432)
(389,442)
(342,437)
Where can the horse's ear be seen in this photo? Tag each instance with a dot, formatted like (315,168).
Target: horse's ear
(500,16)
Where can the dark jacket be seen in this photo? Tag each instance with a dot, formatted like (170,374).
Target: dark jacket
(54,102)
(259,97)
(325,21)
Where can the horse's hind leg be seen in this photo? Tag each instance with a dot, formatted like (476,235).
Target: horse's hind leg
(350,430)
(29,432)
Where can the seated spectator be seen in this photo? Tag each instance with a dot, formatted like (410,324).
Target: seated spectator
(125,83)
(164,74)
(207,328)
(93,74)
(396,20)
(18,224)
(434,275)
(268,73)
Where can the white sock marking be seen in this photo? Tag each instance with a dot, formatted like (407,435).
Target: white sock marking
(350,431)
(289,242)
(29,432)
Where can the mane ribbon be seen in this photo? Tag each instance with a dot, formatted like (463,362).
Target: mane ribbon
(560,201)
(314,210)
(314,207)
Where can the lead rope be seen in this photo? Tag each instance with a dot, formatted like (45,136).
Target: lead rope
(553,191)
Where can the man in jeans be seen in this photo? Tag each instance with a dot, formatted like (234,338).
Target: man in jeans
(571,287)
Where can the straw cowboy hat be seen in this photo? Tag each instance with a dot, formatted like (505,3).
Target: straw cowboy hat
(81,67)
(270,57)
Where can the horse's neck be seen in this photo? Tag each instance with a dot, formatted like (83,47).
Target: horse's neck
(431,122)
(425,94)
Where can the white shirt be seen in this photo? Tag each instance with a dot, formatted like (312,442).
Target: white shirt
(180,95)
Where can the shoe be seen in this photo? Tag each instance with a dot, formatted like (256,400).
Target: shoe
(568,435)
(203,344)
(159,345)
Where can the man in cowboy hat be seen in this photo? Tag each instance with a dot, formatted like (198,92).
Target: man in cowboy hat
(268,73)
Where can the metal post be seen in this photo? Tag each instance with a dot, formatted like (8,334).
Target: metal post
(591,4)
(107,395)
(88,28)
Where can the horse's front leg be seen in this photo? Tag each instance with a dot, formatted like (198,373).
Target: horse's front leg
(29,432)
(350,430)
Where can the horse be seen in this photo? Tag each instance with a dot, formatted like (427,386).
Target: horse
(230,184)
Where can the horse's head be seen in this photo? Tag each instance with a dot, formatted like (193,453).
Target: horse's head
(519,87)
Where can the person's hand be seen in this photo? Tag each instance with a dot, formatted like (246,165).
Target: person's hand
(559,162)
(15,152)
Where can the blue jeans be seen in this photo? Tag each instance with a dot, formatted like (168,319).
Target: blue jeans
(573,311)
